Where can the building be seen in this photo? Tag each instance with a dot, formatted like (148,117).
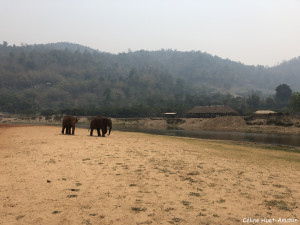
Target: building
(265,112)
(211,111)
(170,115)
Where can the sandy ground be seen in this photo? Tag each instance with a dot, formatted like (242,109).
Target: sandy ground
(134,178)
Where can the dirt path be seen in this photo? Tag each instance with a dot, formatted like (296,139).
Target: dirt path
(132,178)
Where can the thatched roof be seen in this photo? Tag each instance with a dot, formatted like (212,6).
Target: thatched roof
(264,112)
(216,109)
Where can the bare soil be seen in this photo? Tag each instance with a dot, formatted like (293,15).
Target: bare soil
(135,178)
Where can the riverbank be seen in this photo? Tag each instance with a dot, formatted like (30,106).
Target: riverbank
(277,124)
(135,178)
(283,124)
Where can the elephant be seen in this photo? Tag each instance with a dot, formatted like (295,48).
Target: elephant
(102,123)
(68,123)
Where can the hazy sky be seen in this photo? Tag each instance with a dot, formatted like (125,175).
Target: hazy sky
(264,32)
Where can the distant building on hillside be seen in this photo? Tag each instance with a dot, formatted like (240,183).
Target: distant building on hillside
(211,111)
(170,115)
(265,112)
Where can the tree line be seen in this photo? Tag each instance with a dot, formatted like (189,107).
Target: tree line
(51,79)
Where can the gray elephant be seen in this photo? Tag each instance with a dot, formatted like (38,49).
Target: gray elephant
(100,123)
(68,123)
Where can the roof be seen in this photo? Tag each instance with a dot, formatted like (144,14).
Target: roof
(171,113)
(264,112)
(212,109)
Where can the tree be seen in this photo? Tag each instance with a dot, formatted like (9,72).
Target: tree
(295,101)
(5,44)
(269,102)
(254,101)
(283,92)
(107,93)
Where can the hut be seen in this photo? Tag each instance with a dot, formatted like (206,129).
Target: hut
(170,115)
(211,111)
(265,112)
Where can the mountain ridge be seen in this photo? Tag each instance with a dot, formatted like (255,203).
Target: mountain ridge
(63,75)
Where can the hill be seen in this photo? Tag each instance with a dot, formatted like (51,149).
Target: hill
(59,77)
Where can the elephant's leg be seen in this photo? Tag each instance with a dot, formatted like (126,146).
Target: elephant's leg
(91,133)
(69,130)
(98,131)
(104,131)
(63,130)
(73,130)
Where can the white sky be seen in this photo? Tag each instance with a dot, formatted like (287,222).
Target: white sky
(264,32)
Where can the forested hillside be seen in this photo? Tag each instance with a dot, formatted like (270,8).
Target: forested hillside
(73,79)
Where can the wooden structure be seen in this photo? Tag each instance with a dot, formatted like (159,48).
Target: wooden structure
(265,112)
(211,111)
(170,115)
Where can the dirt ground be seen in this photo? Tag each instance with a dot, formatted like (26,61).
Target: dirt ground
(134,178)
